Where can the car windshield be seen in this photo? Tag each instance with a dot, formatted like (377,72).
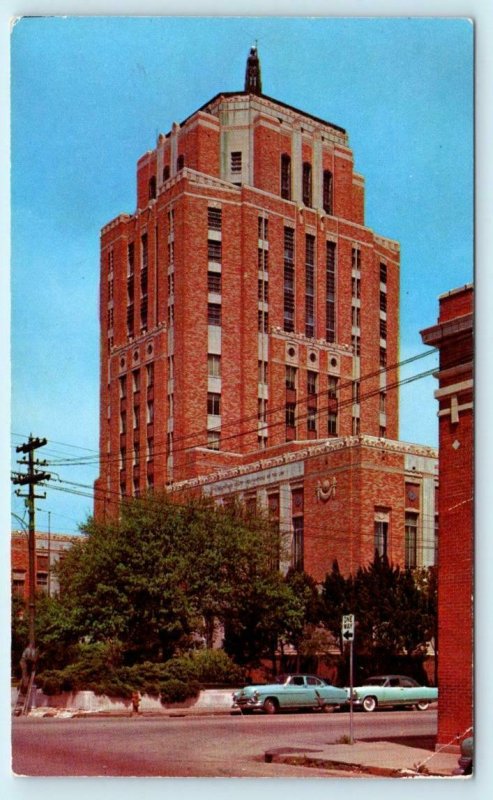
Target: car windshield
(376,681)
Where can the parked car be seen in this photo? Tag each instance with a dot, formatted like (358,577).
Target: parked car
(290,691)
(393,690)
(466,757)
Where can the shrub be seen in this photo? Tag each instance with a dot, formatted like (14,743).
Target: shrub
(176,691)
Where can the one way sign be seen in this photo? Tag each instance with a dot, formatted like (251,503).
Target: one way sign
(348,627)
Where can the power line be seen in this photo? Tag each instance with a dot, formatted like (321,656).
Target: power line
(106,460)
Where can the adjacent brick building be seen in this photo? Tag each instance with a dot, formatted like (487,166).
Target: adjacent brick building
(453,336)
(249,318)
(49,549)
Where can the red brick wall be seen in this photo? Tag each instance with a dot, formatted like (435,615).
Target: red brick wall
(456,537)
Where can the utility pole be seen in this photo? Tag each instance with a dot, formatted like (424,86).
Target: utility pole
(31,478)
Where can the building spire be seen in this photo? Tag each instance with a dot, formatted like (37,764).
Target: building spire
(253,78)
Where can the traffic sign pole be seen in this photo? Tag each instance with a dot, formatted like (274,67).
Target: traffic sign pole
(348,636)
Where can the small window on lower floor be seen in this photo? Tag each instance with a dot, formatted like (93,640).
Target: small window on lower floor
(213,440)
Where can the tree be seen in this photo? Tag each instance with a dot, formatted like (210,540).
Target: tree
(394,610)
(167,570)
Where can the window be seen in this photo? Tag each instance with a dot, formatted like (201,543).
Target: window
(383,356)
(356,258)
(214,282)
(123,422)
(332,423)
(136,417)
(213,314)
(214,219)
(136,456)
(236,162)
(136,380)
(382,431)
(122,382)
(143,314)
(123,457)
(382,402)
(165,173)
(356,288)
(213,440)
(214,251)
(312,419)
(290,415)
(263,321)
(383,301)
(180,163)
(152,188)
(263,291)
(263,228)
(307,184)
(286,176)
(298,545)
(213,365)
(327,192)
(144,251)
(262,371)
(330,292)
(214,404)
(263,260)
(288,279)
(333,387)
(381,531)
(383,328)
(130,259)
(356,391)
(150,375)
(383,273)
(110,318)
(262,410)
(311,382)
(356,342)
(355,316)
(110,289)
(130,319)
(355,426)
(150,411)
(309,285)
(411,540)
(290,377)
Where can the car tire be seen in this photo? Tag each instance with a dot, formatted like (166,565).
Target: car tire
(423,705)
(369,703)
(327,708)
(271,706)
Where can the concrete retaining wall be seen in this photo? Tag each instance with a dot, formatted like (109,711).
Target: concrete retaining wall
(208,700)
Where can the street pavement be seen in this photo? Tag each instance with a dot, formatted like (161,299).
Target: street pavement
(362,758)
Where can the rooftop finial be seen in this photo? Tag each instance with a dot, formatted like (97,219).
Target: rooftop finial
(253,78)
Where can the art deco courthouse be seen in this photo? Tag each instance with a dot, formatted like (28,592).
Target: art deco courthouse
(245,306)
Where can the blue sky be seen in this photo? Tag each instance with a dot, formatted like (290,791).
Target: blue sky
(90,95)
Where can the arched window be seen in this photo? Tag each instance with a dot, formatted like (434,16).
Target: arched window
(307,184)
(328,192)
(286,176)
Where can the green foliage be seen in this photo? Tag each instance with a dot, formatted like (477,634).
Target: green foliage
(176,691)
(165,571)
(395,610)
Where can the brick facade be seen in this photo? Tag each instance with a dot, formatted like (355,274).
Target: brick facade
(49,549)
(453,336)
(244,304)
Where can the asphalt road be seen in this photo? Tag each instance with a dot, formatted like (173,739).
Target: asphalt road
(222,746)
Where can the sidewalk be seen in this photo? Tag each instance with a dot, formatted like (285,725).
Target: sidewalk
(382,759)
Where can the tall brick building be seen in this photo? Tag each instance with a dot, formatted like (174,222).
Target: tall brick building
(247,311)
(453,336)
